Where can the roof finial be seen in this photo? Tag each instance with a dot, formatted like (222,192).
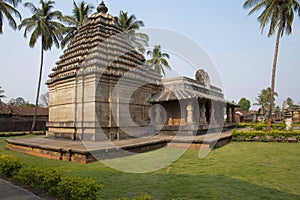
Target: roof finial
(102,8)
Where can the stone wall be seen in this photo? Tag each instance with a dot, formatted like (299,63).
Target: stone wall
(9,124)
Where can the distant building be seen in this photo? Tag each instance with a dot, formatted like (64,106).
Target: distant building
(246,116)
(14,118)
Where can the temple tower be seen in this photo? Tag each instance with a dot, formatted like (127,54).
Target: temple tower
(100,86)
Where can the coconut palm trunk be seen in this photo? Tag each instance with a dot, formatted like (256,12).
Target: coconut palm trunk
(38,89)
(279,33)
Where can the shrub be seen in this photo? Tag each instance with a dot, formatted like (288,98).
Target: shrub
(45,180)
(276,134)
(9,165)
(54,183)
(75,187)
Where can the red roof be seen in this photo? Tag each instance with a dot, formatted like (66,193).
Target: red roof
(22,111)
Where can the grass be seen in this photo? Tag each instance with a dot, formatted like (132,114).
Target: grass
(236,171)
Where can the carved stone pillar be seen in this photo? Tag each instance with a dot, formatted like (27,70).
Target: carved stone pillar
(227,115)
(190,114)
(212,115)
(158,118)
(202,114)
(233,114)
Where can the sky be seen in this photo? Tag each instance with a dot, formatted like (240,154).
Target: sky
(231,40)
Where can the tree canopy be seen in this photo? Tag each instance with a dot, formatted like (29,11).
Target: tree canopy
(244,104)
(79,14)
(158,60)
(8,10)
(263,100)
(131,26)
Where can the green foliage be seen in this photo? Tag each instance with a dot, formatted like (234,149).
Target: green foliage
(263,100)
(79,14)
(45,180)
(261,126)
(56,184)
(9,165)
(244,104)
(7,10)
(14,134)
(277,135)
(75,187)
(130,26)
(158,60)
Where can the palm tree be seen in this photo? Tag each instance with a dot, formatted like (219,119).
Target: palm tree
(263,100)
(158,60)
(279,14)
(44,25)
(130,26)
(80,13)
(8,9)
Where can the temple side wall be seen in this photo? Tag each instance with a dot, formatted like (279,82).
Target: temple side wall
(93,107)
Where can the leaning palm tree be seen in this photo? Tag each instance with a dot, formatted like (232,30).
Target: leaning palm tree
(158,60)
(130,27)
(45,26)
(79,14)
(279,14)
(8,9)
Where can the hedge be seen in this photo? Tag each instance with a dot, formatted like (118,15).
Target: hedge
(13,134)
(9,165)
(59,185)
(50,181)
(273,135)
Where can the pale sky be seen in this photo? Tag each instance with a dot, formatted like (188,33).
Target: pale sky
(241,54)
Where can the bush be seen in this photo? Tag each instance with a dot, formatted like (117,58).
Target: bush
(45,180)
(278,135)
(54,183)
(75,187)
(9,165)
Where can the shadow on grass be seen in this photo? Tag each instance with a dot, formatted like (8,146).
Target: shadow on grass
(178,186)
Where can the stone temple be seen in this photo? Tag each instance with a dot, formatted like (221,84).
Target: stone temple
(105,102)
(101,88)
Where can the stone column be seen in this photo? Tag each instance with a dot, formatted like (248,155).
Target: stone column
(158,118)
(227,114)
(190,114)
(202,114)
(233,114)
(212,115)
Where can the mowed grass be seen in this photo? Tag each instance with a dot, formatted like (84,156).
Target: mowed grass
(236,171)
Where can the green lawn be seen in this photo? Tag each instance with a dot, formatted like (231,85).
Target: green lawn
(236,171)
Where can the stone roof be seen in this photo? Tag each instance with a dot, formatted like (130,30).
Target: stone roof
(100,46)
(22,111)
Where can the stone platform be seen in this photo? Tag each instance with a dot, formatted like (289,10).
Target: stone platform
(86,152)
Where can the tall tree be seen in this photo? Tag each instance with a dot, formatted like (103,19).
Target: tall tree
(130,26)
(8,9)
(43,24)
(158,60)
(1,94)
(244,104)
(263,100)
(79,14)
(279,14)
